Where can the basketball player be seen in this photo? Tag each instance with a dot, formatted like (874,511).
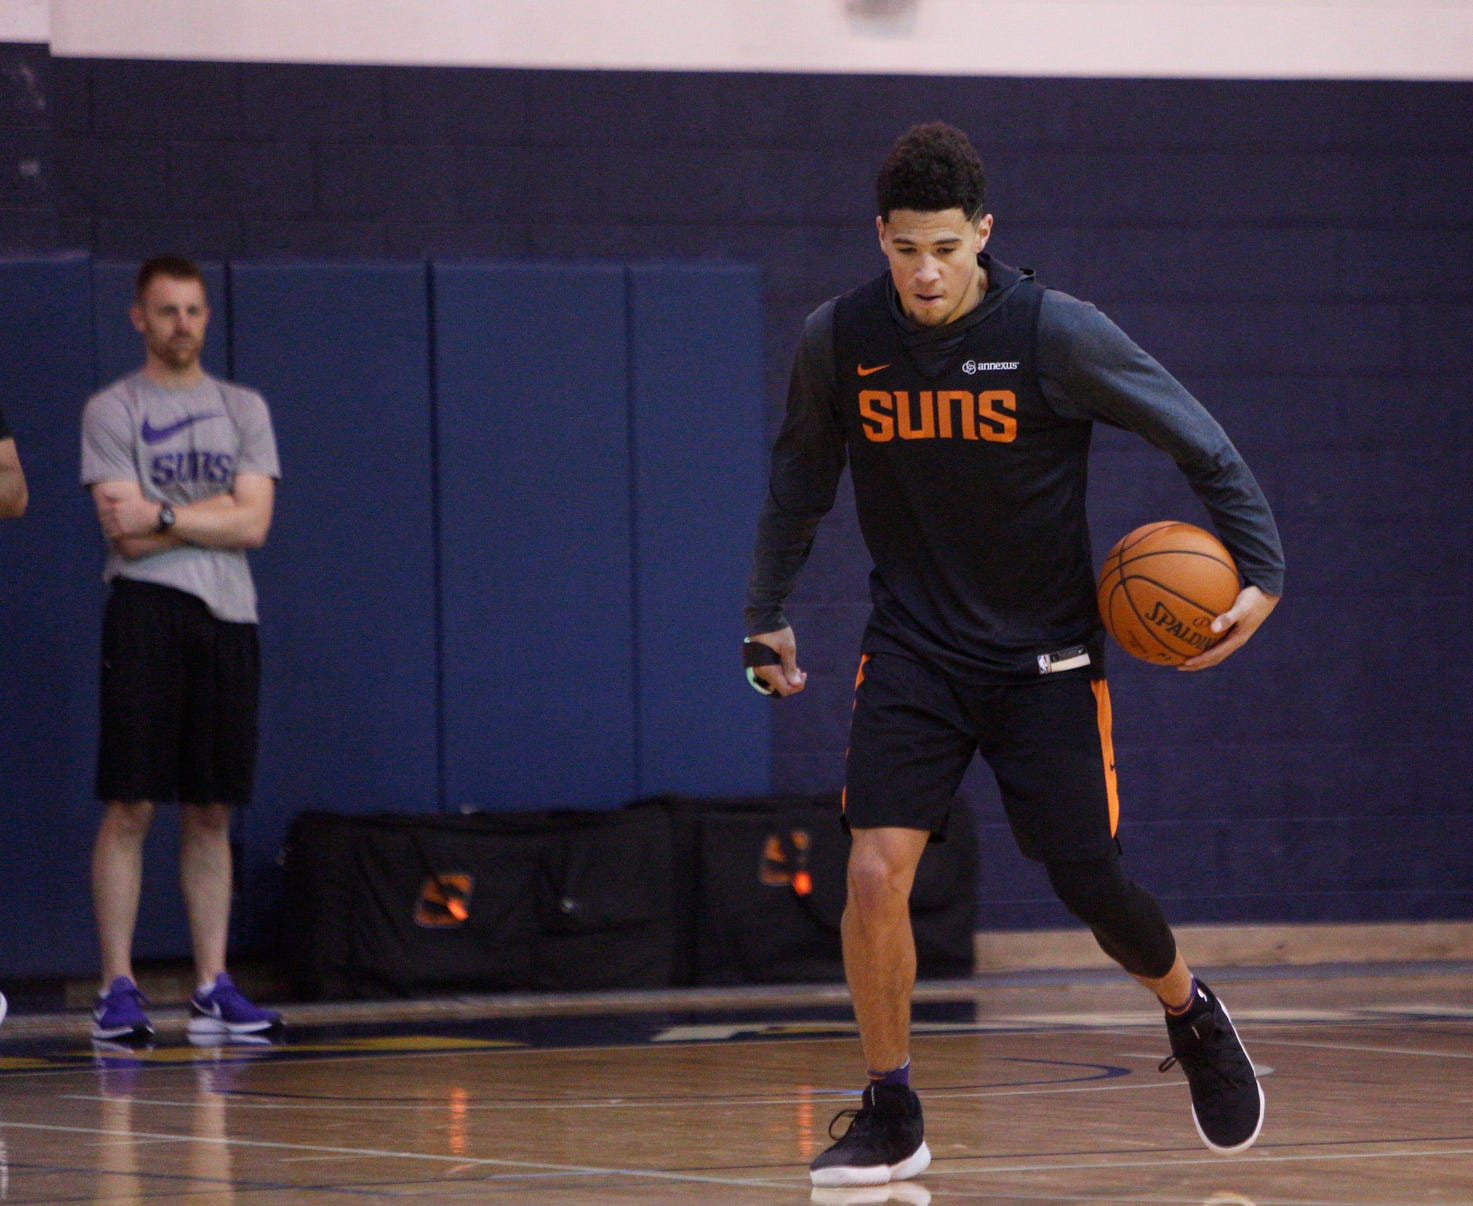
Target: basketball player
(183,470)
(13,497)
(961,392)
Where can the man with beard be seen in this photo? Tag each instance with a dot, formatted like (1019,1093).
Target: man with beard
(183,469)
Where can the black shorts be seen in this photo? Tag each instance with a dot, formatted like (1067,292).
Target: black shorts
(179,692)
(915,732)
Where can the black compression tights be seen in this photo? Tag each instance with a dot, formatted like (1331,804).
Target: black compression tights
(1125,918)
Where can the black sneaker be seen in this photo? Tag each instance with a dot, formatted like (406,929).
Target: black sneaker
(883,1142)
(1227,1102)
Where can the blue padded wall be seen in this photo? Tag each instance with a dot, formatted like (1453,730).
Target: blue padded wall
(50,613)
(1299,252)
(699,427)
(120,347)
(347,577)
(505,570)
(534,459)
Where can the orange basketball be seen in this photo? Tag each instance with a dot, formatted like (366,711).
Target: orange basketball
(1161,587)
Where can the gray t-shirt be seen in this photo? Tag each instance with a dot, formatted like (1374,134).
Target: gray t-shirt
(181,445)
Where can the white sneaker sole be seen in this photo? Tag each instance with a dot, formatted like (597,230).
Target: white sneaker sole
(113,1034)
(875,1174)
(203,1025)
(907,1193)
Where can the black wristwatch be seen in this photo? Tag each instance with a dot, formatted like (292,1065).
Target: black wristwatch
(166,518)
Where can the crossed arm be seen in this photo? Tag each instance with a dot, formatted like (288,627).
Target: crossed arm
(237,520)
(13,492)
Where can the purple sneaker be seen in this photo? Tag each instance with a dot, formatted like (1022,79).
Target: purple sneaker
(119,1015)
(223,1010)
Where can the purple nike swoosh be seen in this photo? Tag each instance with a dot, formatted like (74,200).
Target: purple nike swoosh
(153,435)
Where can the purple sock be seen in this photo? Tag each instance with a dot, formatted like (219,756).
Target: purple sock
(896,1076)
(1193,1005)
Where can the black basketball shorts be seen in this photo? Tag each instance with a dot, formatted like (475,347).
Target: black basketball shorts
(179,698)
(914,733)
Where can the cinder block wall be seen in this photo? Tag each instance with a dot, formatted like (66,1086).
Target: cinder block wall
(1299,253)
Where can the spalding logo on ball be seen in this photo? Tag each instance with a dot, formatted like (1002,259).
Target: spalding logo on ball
(1161,587)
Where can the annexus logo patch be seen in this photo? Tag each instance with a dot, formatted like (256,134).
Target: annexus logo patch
(866,370)
(989,366)
(154,435)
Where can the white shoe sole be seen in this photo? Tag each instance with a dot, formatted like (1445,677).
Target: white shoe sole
(875,1174)
(202,1025)
(906,1193)
(122,1034)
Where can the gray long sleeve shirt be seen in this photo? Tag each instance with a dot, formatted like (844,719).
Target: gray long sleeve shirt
(1087,370)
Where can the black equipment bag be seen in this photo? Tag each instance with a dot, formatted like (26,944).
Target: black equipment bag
(761,883)
(403,905)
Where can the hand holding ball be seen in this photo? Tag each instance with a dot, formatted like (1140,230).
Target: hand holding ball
(1161,587)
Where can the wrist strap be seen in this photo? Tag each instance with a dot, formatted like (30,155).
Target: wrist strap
(755,654)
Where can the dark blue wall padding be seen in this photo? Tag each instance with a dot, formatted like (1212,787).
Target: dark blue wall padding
(533,439)
(50,609)
(1262,238)
(120,347)
(699,430)
(524,595)
(347,578)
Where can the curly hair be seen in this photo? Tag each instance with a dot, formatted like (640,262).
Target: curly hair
(932,167)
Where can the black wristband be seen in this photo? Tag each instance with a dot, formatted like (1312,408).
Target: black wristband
(759,653)
(755,654)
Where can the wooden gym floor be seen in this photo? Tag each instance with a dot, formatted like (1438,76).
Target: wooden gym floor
(1039,1087)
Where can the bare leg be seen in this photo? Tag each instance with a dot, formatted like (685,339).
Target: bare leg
(204,875)
(117,881)
(879,944)
(1174,987)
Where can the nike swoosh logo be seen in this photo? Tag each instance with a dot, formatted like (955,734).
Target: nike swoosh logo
(864,370)
(153,435)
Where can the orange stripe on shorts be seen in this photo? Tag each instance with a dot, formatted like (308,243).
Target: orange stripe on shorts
(858,678)
(1107,748)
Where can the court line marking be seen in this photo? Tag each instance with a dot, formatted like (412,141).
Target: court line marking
(1262,1042)
(1041,1025)
(462,1162)
(836,1097)
(578,1170)
(1223,1162)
